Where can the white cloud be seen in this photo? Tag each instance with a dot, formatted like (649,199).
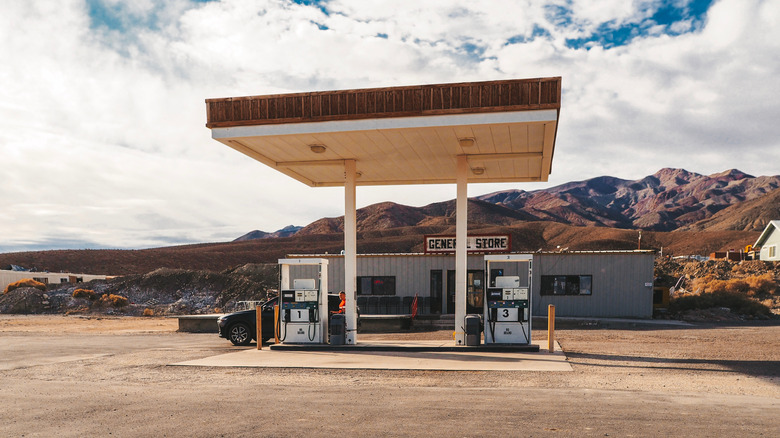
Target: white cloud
(102,129)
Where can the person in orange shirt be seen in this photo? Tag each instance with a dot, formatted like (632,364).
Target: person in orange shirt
(343,303)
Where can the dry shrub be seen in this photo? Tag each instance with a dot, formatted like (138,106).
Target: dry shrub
(25,282)
(762,284)
(736,302)
(739,286)
(148,312)
(755,285)
(113,300)
(84,293)
(741,295)
(704,284)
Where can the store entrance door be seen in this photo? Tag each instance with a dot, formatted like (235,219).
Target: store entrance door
(450,291)
(436,290)
(475,288)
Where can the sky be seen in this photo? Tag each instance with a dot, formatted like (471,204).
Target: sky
(103,141)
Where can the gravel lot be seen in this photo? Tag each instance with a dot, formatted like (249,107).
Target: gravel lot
(73,376)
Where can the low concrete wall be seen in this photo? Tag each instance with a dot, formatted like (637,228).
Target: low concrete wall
(384,323)
(198,323)
(368,323)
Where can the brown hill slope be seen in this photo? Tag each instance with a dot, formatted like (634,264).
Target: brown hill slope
(386,215)
(526,236)
(664,201)
(751,215)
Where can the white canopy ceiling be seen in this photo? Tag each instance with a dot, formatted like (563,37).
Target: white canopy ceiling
(503,142)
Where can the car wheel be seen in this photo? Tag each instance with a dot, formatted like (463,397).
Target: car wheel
(239,334)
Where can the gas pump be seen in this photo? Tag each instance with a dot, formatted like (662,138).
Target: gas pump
(303,315)
(507,304)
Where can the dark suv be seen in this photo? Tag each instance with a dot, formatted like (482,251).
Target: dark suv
(240,328)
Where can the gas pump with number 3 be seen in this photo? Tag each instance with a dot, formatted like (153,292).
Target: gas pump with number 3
(507,305)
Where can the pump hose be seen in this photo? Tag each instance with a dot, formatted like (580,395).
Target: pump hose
(279,329)
(520,311)
(312,334)
(282,338)
(522,327)
(492,326)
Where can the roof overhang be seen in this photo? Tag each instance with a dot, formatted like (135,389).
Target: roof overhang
(770,228)
(400,135)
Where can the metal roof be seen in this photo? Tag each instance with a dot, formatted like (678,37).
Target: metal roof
(398,135)
(421,254)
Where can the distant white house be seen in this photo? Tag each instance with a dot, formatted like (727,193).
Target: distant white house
(8,276)
(769,242)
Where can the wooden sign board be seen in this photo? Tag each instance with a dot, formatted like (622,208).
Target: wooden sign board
(483,243)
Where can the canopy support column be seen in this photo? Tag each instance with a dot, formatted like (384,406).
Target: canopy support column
(461,261)
(350,249)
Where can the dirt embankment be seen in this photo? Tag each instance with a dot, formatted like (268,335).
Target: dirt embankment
(160,292)
(716,290)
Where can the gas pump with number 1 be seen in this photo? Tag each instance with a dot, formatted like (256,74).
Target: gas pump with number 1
(303,309)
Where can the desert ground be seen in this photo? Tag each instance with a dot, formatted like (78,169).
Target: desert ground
(110,376)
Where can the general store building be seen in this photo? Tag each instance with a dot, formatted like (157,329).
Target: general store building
(606,284)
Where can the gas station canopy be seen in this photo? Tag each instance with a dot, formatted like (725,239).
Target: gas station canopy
(500,131)
(401,135)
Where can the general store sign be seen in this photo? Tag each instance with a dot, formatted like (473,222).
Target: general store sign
(477,243)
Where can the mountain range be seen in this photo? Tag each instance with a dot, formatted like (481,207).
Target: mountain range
(668,200)
(257,234)
(716,212)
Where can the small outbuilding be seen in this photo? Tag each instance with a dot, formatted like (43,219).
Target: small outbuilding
(768,242)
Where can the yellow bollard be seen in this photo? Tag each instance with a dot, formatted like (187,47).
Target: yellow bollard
(276,324)
(551,328)
(259,320)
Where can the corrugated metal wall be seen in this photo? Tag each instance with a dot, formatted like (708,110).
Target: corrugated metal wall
(618,288)
(412,271)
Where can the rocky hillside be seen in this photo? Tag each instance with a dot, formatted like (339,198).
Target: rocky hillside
(751,215)
(665,201)
(720,290)
(160,292)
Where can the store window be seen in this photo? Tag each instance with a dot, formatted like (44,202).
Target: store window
(566,285)
(376,285)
